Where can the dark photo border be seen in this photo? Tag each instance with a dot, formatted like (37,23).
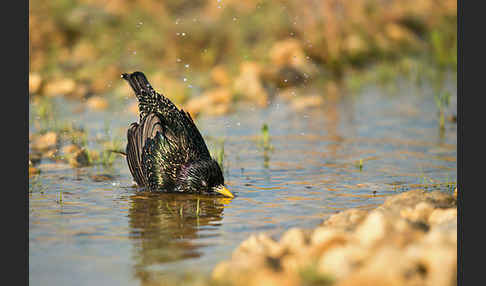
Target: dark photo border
(16,136)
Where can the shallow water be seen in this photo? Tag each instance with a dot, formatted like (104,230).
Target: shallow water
(106,232)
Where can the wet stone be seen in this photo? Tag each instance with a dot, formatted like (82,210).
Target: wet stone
(97,103)
(305,102)
(399,33)
(336,261)
(290,53)
(212,102)
(347,220)
(44,142)
(59,87)
(440,216)
(33,171)
(372,229)
(35,81)
(402,242)
(323,239)
(220,76)
(79,158)
(249,83)
(82,91)
(294,240)
(421,212)
(70,149)
(34,158)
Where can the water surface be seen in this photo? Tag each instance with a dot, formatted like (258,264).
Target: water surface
(106,232)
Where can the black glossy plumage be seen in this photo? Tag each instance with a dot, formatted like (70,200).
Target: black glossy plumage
(165,151)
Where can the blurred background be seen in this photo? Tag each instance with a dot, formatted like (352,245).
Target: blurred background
(311,107)
(228,51)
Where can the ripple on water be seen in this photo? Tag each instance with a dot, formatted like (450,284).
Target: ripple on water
(104,227)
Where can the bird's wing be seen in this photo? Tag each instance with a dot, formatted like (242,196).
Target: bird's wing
(161,161)
(196,144)
(182,135)
(137,136)
(179,128)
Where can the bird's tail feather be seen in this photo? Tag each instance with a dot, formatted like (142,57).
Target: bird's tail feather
(140,85)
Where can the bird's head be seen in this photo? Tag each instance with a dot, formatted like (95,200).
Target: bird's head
(204,177)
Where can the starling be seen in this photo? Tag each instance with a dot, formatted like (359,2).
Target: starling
(165,151)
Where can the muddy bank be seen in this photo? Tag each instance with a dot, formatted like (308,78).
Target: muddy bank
(409,240)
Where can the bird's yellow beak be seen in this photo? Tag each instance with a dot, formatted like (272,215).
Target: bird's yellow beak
(224,191)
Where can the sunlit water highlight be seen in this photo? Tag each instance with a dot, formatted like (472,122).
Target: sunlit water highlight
(108,233)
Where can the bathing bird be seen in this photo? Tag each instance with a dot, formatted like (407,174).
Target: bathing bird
(165,151)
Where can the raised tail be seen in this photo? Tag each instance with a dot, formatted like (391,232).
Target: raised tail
(140,85)
(148,99)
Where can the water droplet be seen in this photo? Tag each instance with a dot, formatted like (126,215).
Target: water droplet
(186,66)
(183,34)
(184,79)
(285,80)
(178,60)
(178,33)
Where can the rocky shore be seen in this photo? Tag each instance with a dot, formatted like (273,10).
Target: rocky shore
(409,240)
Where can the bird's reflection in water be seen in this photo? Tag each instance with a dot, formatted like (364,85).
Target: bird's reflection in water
(165,228)
(266,158)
